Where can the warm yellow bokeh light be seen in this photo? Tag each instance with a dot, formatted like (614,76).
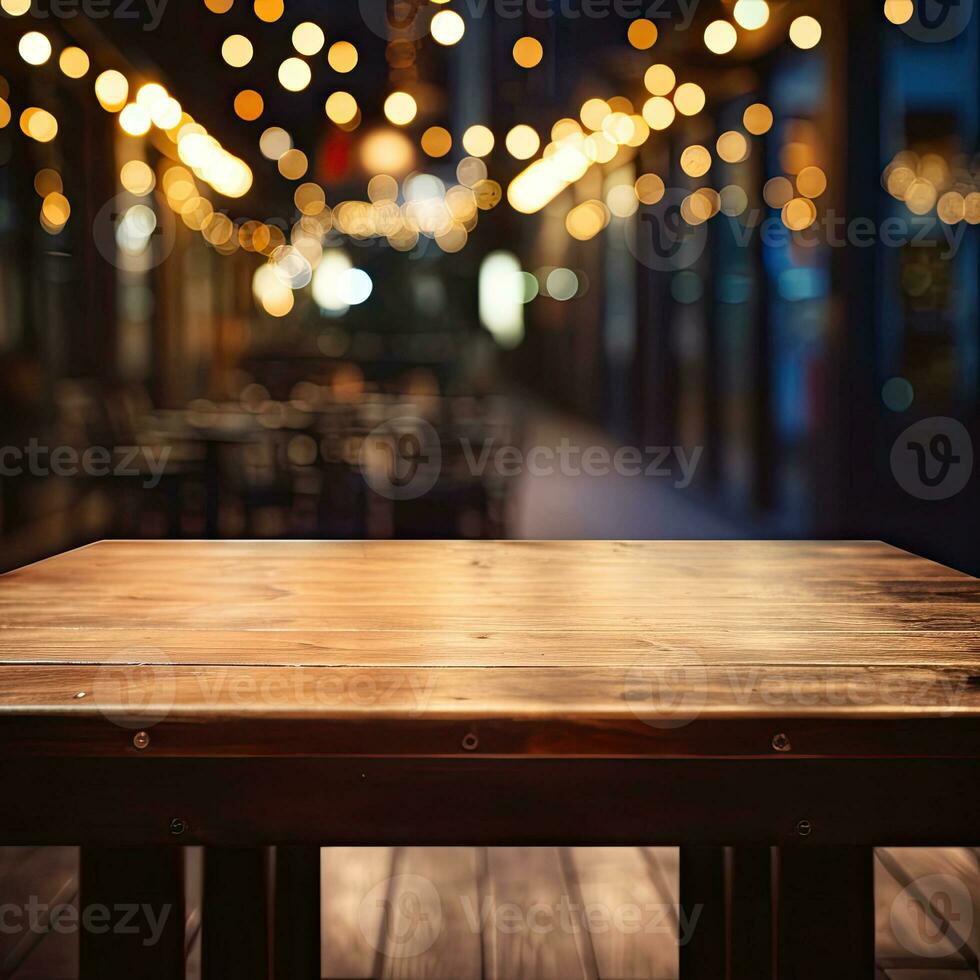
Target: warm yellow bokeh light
(811,182)
(293,164)
(268,10)
(401,108)
(732,147)
(137,177)
(437,141)
(659,80)
(586,220)
(15,8)
(151,95)
(689,99)
(478,141)
(778,192)
(219,6)
(642,34)
(720,37)
(622,200)
(74,62)
(447,27)
(34,48)
(757,119)
(382,187)
(342,57)
(341,107)
(387,150)
(294,74)
(309,199)
(899,11)
(528,52)
(274,142)
(649,189)
(751,14)
(47,182)
(112,90)
(593,112)
(5,113)
(951,208)
(308,38)
(56,208)
(805,32)
(135,120)
(39,124)
(249,105)
(799,213)
(522,142)
(696,161)
(237,50)
(658,112)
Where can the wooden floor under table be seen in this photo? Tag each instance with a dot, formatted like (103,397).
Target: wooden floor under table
(502,913)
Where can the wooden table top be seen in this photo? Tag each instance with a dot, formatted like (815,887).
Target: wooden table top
(619,648)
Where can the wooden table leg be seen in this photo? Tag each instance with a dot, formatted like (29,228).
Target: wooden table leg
(235,920)
(750,897)
(296,942)
(131,907)
(704,946)
(826,913)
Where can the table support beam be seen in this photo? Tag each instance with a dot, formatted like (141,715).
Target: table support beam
(296,951)
(131,908)
(826,913)
(235,922)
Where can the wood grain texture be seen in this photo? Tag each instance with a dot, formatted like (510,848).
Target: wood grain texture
(549,647)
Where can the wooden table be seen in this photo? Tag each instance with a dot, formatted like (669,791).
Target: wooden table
(799,702)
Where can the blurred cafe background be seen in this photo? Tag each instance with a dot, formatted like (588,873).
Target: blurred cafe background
(489,268)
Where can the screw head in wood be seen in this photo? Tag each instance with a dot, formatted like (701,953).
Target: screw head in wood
(804,828)
(141,740)
(470,742)
(781,742)
(178,826)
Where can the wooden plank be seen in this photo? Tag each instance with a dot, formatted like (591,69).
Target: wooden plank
(631,901)
(317,711)
(140,890)
(491,586)
(354,890)
(235,919)
(533,925)
(826,913)
(431,925)
(751,917)
(466,801)
(529,647)
(704,901)
(296,926)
